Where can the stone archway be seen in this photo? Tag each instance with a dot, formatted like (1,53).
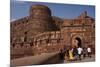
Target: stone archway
(77,41)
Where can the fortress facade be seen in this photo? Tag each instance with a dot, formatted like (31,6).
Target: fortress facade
(40,32)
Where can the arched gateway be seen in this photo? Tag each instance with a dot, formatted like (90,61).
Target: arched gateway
(78,32)
(77,41)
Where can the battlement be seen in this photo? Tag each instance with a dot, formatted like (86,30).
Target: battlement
(40,32)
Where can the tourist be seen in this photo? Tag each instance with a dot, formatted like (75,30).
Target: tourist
(64,49)
(66,56)
(71,54)
(84,52)
(75,53)
(89,51)
(61,55)
(79,52)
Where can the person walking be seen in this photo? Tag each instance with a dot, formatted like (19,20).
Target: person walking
(61,55)
(79,52)
(66,56)
(71,54)
(84,52)
(75,53)
(89,52)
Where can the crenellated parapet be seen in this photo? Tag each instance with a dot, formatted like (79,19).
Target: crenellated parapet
(40,32)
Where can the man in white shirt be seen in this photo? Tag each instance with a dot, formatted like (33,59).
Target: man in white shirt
(89,52)
(79,52)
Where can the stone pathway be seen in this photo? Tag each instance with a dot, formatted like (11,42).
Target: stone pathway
(32,60)
(45,58)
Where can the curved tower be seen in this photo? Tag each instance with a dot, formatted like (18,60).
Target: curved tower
(40,12)
(41,19)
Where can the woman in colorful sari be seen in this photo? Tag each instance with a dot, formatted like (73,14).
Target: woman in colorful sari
(71,57)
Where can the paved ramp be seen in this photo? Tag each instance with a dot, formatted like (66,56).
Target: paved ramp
(45,58)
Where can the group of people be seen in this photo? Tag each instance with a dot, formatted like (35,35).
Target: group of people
(75,53)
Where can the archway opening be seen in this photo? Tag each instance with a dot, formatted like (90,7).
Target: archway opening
(79,42)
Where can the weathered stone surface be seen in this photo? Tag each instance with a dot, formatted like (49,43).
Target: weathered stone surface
(41,33)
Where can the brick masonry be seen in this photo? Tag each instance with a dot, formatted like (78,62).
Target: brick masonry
(40,32)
